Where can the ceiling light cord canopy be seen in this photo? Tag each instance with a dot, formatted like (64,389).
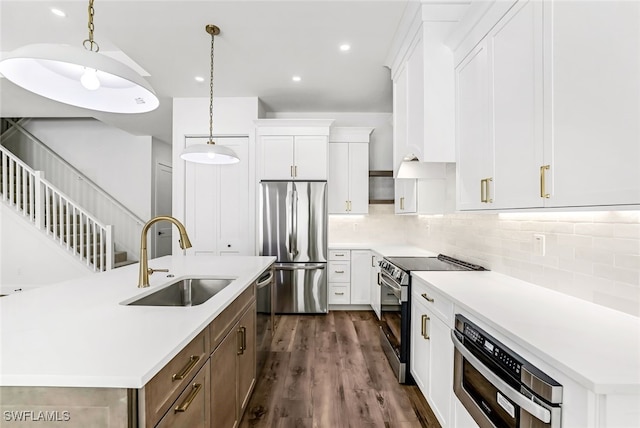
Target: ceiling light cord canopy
(81,77)
(210,153)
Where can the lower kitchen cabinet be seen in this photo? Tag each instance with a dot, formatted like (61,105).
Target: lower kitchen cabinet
(374,284)
(432,349)
(349,276)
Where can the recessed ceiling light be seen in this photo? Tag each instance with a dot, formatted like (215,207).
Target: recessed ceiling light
(58,12)
(296,78)
(345,47)
(199,79)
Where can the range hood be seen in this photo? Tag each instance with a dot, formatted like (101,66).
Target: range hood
(412,168)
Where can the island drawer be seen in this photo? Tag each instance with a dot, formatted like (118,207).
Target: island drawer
(168,384)
(221,325)
(191,409)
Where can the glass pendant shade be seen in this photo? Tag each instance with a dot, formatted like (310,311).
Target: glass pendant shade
(210,154)
(79,77)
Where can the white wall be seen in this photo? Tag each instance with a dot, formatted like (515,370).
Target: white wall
(29,259)
(591,255)
(118,162)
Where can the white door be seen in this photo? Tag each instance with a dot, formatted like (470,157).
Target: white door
(338,182)
(420,352)
(374,286)
(475,150)
(516,52)
(310,158)
(405,196)
(359,178)
(277,157)
(360,274)
(163,231)
(593,144)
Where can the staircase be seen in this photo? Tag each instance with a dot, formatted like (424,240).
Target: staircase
(56,214)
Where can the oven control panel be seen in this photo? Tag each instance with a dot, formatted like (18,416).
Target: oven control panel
(495,350)
(400,276)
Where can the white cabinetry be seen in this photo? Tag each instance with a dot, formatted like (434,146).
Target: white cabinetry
(540,97)
(405,196)
(374,284)
(431,348)
(292,149)
(349,274)
(349,171)
(217,203)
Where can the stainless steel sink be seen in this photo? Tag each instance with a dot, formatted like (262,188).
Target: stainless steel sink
(186,292)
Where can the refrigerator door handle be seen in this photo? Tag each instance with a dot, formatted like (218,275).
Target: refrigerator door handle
(289,241)
(294,223)
(299,266)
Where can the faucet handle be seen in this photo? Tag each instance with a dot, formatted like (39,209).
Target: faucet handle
(151,271)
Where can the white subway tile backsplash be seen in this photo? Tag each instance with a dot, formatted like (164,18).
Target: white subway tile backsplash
(591,255)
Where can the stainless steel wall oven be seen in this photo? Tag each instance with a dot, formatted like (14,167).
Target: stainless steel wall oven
(497,386)
(395,292)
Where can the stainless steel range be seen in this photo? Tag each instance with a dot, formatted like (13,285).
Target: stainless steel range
(395,281)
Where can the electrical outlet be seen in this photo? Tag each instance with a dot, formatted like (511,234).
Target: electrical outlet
(538,244)
(427,229)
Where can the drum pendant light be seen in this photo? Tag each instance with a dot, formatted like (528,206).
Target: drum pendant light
(79,77)
(210,153)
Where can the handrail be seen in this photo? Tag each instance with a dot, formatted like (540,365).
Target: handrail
(90,182)
(50,210)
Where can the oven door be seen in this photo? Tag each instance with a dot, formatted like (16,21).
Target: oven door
(491,401)
(394,328)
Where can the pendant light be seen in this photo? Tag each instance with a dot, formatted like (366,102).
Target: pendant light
(210,153)
(79,77)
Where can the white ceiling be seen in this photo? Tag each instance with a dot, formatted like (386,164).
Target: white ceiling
(261,46)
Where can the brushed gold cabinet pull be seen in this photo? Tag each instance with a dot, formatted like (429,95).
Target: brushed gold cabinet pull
(242,340)
(193,360)
(487,197)
(373,261)
(425,318)
(339,271)
(427,298)
(543,191)
(187,402)
(402,203)
(339,294)
(483,198)
(349,202)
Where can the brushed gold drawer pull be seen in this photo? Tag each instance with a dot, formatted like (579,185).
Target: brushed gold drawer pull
(193,360)
(339,271)
(425,318)
(192,396)
(339,294)
(543,190)
(427,298)
(339,255)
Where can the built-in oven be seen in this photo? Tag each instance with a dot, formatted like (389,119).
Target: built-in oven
(395,310)
(497,386)
(265,316)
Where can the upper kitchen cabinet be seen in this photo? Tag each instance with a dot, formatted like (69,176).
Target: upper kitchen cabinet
(540,95)
(292,149)
(423,101)
(349,170)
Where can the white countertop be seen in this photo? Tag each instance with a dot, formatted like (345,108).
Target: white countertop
(385,250)
(77,334)
(596,346)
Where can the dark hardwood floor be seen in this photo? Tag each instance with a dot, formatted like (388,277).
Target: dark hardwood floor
(330,371)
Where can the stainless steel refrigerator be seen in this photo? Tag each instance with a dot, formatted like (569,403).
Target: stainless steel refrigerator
(294,229)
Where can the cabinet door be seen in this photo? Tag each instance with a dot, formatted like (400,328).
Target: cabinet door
(210,191)
(420,344)
(246,357)
(310,158)
(475,150)
(360,274)
(374,286)
(277,157)
(592,146)
(358,178)
(441,371)
(405,196)
(224,369)
(191,409)
(338,183)
(516,53)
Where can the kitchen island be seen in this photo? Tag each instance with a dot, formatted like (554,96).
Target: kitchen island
(80,336)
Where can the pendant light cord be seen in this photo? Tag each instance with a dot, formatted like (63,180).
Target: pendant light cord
(211,95)
(89,43)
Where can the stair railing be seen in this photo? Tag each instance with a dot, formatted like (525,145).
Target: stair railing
(59,217)
(92,197)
